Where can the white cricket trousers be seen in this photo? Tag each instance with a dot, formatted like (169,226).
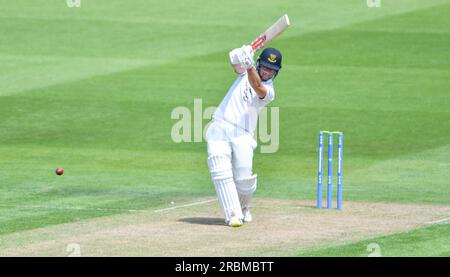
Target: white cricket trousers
(230,161)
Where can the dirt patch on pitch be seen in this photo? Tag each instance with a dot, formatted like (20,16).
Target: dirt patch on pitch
(280,228)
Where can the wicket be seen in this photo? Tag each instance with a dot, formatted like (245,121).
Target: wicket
(330,169)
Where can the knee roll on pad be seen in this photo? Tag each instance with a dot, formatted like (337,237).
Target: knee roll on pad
(246,186)
(220,167)
(242,172)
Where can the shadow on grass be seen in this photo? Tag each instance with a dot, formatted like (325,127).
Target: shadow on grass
(203,220)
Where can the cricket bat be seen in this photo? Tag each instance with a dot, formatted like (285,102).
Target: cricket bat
(271,33)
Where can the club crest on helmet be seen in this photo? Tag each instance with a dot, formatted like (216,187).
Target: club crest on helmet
(272,58)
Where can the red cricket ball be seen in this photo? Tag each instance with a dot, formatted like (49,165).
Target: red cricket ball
(59,171)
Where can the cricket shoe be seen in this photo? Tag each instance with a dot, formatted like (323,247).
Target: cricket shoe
(235,222)
(247,215)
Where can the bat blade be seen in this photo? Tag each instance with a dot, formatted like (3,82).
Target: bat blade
(271,33)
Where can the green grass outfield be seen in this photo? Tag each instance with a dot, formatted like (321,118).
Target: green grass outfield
(91,89)
(429,242)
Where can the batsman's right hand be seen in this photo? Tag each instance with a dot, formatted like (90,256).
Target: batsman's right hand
(246,58)
(247,51)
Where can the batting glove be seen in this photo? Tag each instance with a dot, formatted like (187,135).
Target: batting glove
(247,50)
(234,59)
(246,58)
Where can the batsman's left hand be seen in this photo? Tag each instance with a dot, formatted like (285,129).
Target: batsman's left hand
(234,59)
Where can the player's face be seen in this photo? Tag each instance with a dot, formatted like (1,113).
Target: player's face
(265,73)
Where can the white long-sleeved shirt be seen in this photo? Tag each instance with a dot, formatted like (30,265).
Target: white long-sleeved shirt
(242,104)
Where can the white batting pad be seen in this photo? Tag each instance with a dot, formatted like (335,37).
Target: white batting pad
(228,198)
(245,188)
(222,177)
(220,167)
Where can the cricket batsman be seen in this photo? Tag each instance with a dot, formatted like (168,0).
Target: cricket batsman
(230,134)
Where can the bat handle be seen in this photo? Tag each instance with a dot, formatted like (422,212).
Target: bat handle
(258,43)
